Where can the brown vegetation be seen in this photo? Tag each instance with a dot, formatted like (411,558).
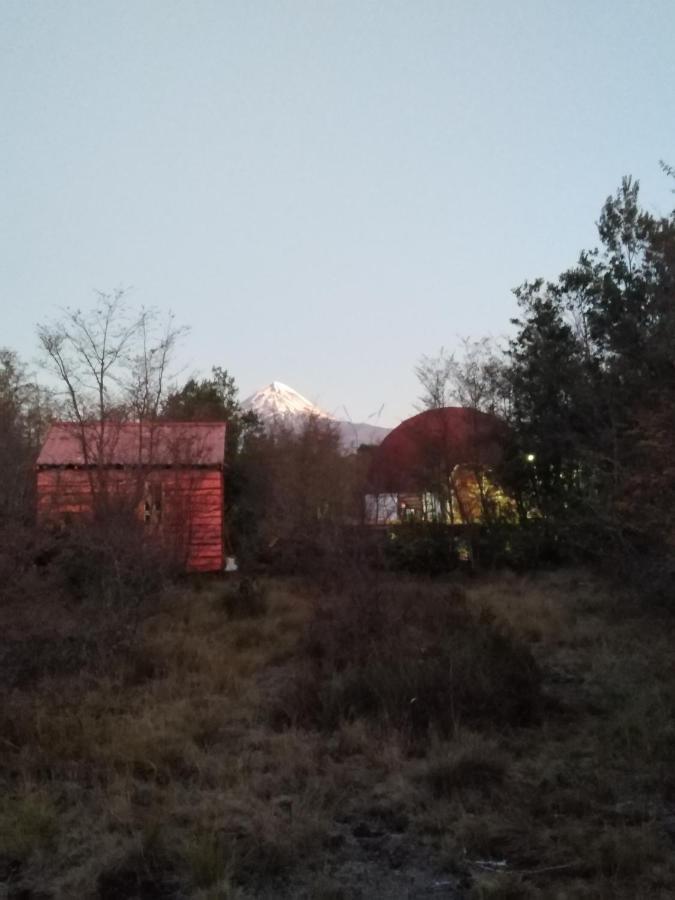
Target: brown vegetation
(336,728)
(181,768)
(414,656)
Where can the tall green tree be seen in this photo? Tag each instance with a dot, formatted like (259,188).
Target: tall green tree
(216,399)
(592,373)
(24,413)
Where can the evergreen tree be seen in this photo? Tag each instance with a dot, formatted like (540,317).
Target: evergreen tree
(592,375)
(216,399)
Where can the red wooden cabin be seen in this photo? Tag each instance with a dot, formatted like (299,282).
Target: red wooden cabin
(170,474)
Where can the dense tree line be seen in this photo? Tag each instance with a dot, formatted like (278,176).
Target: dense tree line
(586,383)
(591,377)
(24,411)
(288,488)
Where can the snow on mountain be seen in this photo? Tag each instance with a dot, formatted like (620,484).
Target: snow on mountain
(279,402)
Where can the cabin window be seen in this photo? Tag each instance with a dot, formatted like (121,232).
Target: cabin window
(152,504)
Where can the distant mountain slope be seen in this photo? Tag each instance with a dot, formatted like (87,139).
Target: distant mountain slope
(279,402)
(353,434)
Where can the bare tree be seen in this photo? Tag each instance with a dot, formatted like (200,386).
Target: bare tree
(478,377)
(112,363)
(148,363)
(87,351)
(474,379)
(435,374)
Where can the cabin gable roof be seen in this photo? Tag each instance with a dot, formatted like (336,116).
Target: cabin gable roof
(162,444)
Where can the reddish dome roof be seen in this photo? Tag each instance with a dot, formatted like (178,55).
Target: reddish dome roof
(434,442)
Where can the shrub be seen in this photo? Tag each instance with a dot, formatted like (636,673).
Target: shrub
(207,860)
(112,564)
(433,548)
(422,548)
(73,600)
(246,598)
(25,661)
(523,546)
(25,556)
(27,823)
(146,872)
(474,763)
(415,659)
(626,852)
(503,886)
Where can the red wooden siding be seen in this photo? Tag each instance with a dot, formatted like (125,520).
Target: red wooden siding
(184,508)
(191,519)
(194,511)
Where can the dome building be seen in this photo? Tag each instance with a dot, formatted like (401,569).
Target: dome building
(435,467)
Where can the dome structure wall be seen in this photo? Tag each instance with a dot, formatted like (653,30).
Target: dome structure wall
(434,441)
(436,466)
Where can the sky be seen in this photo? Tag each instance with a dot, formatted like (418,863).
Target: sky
(322,191)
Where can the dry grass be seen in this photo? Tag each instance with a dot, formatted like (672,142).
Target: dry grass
(172,773)
(416,657)
(468,762)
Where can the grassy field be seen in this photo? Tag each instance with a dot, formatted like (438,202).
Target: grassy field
(505,737)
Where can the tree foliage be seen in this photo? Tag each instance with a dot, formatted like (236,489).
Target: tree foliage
(214,399)
(592,380)
(24,413)
(301,491)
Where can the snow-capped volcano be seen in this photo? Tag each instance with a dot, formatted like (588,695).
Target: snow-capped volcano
(279,401)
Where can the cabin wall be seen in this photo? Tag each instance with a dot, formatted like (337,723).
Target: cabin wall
(193,502)
(184,507)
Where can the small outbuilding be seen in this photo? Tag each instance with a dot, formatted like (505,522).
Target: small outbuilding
(169,475)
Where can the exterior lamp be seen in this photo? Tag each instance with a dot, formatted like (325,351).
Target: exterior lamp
(530,457)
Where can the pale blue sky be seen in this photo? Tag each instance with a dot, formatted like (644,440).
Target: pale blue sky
(324,190)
